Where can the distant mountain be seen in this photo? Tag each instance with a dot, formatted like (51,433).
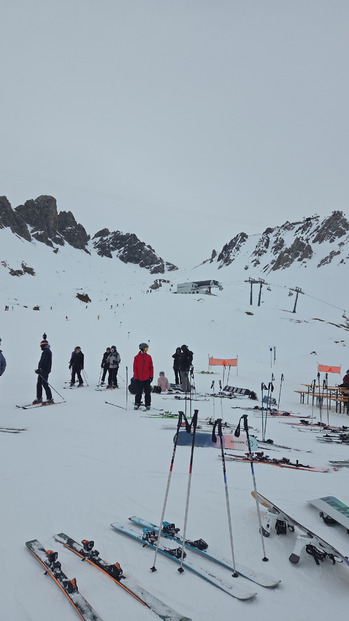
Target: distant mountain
(311,241)
(39,219)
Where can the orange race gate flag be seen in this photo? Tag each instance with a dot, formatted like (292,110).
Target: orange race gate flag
(223,362)
(325,368)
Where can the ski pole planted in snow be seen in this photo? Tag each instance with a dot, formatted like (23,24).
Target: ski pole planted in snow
(281,380)
(237,434)
(50,385)
(193,424)
(126,388)
(187,426)
(218,424)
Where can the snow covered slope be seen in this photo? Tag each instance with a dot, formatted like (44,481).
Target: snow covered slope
(83,464)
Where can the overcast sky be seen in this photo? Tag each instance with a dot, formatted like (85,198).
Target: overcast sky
(184,121)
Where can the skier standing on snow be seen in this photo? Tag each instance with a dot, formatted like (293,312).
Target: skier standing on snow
(143,373)
(2,361)
(185,363)
(113,362)
(76,365)
(104,364)
(176,358)
(43,371)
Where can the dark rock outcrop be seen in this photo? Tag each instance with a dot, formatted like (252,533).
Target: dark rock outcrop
(8,218)
(129,249)
(49,227)
(232,249)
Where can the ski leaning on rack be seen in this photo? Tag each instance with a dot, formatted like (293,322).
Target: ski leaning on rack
(314,545)
(200,546)
(232,589)
(87,553)
(52,566)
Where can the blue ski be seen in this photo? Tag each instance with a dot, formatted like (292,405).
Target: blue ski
(170,533)
(231,589)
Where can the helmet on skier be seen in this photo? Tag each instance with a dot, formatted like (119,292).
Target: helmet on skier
(143,346)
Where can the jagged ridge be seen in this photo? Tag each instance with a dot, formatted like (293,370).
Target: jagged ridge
(296,242)
(39,219)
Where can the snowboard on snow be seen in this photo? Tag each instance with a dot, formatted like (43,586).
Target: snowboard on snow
(308,540)
(333,508)
(204,439)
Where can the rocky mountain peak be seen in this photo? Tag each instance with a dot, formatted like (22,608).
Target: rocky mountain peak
(50,227)
(291,243)
(39,219)
(129,249)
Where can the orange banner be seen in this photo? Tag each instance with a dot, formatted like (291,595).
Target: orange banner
(223,362)
(326,369)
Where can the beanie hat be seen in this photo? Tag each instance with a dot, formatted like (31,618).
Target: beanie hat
(44,341)
(143,346)
(113,348)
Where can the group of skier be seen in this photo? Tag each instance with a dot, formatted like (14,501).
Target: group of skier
(143,371)
(110,364)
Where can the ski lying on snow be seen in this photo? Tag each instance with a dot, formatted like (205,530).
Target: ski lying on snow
(87,552)
(52,566)
(340,463)
(169,531)
(31,406)
(12,429)
(282,463)
(115,405)
(271,444)
(308,425)
(273,411)
(175,555)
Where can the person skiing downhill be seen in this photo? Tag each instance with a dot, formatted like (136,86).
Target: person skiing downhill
(143,373)
(43,371)
(2,361)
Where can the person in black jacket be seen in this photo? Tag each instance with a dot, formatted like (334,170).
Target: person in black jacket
(76,365)
(105,364)
(185,363)
(176,358)
(2,361)
(43,371)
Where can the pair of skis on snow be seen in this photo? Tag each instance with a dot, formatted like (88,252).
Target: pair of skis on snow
(87,552)
(195,553)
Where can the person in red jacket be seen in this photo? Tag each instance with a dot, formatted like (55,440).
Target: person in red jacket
(143,373)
